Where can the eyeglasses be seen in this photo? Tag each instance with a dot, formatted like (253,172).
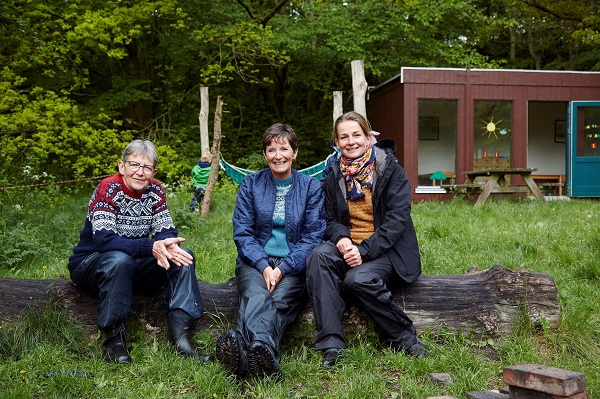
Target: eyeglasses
(134,167)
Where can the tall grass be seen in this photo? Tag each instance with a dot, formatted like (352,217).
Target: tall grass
(38,229)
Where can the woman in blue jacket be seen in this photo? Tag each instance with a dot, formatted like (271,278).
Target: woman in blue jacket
(370,245)
(278,219)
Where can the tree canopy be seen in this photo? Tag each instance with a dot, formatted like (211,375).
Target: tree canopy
(80,79)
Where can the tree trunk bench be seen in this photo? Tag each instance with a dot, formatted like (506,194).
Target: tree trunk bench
(483,302)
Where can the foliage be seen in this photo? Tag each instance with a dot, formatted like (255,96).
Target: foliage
(47,133)
(32,331)
(243,51)
(40,226)
(544,34)
(81,78)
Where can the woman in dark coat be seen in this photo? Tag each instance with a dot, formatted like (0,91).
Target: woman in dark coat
(370,245)
(278,219)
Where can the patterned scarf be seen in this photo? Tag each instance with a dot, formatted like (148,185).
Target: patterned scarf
(358,173)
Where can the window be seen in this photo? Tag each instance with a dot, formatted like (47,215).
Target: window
(588,132)
(492,135)
(437,139)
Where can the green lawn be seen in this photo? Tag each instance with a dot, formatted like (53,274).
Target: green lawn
(39,227)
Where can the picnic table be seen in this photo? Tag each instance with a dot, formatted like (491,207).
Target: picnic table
(497,183)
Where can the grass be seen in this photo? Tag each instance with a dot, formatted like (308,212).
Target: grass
(39,227)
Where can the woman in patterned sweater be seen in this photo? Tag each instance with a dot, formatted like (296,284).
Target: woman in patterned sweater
(129,245)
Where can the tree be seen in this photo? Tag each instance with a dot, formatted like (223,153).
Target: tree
(543,34)
(83,71)
(47,133)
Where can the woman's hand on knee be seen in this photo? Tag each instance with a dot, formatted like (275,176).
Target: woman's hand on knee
(352,256)
(349,251)
(168,250)
(344,245)
(272,277)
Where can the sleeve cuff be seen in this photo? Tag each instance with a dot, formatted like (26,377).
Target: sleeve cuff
(362,251)
(147,248)
(262,265)
(285,268)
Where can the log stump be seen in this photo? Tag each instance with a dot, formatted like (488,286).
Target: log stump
(488,302)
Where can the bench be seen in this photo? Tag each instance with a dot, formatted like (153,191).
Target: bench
(462,188)
(554,183)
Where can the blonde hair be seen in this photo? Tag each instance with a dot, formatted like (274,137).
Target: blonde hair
(364,124)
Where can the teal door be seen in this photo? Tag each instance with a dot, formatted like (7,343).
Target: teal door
(583,149)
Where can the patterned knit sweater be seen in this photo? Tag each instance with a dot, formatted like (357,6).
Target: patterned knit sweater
(120,220)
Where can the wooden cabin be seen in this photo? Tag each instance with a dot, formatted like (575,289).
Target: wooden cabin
(455,120)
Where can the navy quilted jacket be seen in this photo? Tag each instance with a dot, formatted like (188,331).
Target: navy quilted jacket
(253,220)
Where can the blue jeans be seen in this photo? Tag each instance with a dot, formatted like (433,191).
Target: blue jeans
(265,316)
(114,277)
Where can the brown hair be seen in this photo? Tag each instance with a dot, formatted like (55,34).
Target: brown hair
(353,116)
(280,131)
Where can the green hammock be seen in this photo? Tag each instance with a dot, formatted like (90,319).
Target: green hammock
(238,174)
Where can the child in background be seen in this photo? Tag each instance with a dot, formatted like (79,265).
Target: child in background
(200,174)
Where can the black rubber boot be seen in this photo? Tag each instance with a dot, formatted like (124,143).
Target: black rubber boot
(178,326)
(114,348)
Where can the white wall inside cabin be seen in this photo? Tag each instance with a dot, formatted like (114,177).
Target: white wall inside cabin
(542,152)
(439,154)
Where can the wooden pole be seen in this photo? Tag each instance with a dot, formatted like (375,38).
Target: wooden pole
(338,107)
(359,87)
(203,120)
(214,166)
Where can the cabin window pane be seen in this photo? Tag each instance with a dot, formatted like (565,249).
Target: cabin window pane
(588,132)
(437,140)
(492,135)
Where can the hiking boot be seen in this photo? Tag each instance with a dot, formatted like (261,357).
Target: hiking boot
(262,362)
(418,350)
(231,353)
(330,357)
(114,347)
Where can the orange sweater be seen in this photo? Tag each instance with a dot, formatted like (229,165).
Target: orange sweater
(361,217)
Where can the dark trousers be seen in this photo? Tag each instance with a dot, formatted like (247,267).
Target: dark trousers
(197,197)
(331,282)
(114,277)
(265,316)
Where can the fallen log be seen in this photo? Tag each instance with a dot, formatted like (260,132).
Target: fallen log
(487,302)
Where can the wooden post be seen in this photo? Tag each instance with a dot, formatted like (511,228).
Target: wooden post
(203,120)
(338,107)
(359,87)
(214,166)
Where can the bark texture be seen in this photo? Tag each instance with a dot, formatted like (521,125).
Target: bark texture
(487,302)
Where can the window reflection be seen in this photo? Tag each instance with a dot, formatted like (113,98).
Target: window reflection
(588,132)
(492,134)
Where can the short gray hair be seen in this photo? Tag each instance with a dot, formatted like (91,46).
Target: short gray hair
(142,147)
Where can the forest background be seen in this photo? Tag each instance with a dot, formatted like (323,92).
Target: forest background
(80,78)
